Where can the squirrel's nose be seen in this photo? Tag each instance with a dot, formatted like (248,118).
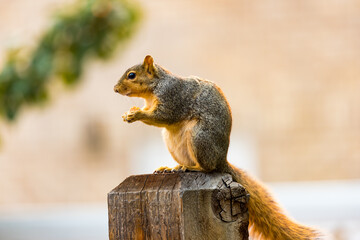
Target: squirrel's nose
(116,89)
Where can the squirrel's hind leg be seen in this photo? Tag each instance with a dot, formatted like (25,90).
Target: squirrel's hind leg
(163,170)
(183,168)
(210,148)
(178,168)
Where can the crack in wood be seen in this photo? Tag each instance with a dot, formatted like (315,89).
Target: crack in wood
(229,200)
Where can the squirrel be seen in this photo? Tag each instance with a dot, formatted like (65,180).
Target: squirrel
(196,121)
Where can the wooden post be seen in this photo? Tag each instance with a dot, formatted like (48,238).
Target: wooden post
(185,206)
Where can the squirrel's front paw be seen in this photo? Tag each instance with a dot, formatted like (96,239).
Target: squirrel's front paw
(131,115)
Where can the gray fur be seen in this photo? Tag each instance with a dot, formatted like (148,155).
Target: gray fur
(193,98)
(180,101)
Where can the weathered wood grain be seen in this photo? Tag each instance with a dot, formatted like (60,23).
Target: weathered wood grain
(186,206)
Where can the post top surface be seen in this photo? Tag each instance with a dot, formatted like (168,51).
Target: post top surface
(187,181)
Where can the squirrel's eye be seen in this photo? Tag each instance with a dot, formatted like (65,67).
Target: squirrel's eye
(131,75)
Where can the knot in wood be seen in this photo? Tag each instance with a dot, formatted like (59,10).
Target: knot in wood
(229,200)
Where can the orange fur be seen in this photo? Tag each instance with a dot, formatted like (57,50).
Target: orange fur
(178,142)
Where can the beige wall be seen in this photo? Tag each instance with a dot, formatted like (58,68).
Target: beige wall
(289,69)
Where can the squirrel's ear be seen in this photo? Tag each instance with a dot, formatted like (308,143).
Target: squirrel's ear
(149,64)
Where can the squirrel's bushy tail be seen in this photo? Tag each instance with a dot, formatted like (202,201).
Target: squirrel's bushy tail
(266,218)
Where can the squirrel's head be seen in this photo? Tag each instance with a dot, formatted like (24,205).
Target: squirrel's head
(138,80)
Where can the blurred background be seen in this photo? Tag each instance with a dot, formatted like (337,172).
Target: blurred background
(290,70)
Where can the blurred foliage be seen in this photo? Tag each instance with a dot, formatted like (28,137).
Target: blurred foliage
(91,28)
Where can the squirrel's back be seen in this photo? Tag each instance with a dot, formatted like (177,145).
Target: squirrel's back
(193,98)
